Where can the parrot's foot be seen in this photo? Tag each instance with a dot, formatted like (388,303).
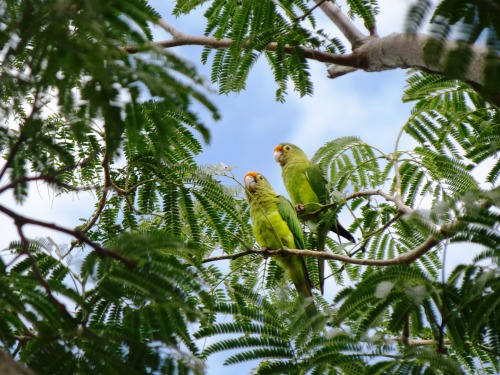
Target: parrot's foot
(300,208)
(282,253)
(264,250)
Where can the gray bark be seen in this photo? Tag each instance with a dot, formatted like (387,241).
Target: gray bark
(402,51)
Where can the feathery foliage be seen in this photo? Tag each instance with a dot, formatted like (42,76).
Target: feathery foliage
(90,102)
(253,25)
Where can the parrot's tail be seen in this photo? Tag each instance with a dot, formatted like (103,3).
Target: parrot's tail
(341,231)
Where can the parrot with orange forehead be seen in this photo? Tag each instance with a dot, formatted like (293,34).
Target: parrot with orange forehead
(305,182)
(276,226)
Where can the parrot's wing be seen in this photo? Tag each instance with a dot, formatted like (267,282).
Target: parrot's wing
(289,214)
(317,180)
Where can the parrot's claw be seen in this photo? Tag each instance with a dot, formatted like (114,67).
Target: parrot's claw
(283,254)
(300,208)
(264,250)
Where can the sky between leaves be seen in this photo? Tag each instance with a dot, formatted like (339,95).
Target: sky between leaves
(367,105)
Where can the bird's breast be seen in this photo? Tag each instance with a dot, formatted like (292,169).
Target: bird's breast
(272,232)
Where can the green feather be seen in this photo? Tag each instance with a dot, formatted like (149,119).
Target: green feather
(317,180)
(289,214)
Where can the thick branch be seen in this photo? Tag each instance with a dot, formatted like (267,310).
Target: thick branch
(345,25)
(400,51)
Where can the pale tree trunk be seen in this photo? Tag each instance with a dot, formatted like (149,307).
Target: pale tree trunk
(407,51)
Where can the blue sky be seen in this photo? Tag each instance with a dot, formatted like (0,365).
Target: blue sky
(367,105)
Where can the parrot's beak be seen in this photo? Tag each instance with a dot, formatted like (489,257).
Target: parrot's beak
(278,154)
(250,183)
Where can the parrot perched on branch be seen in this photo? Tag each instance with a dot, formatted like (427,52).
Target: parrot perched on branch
(276,226)
(305,182)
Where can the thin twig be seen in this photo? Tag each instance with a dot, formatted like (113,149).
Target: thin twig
(444,303)
(21,340)
(21,138)
(237,238)
(50,177)
(230,256)
(384,227)
(12,155)
(403,208)
(100,205)
(394,159)
(231,273)
(373,30)
(303,17)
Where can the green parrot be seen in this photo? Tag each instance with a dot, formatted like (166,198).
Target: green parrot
(305,182)
(276,226)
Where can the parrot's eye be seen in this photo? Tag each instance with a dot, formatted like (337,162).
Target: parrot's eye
(287,148)
(261,178)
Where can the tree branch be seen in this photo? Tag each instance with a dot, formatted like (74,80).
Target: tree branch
(231,256)
(397,200)
(402,208)
(49,177)
(336,71)
(371,54)
(433,239)
(345,25)
(101,251)
(414,343)
(405,258)
(181,39)
(405,336)
(401,51)
(381,229)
